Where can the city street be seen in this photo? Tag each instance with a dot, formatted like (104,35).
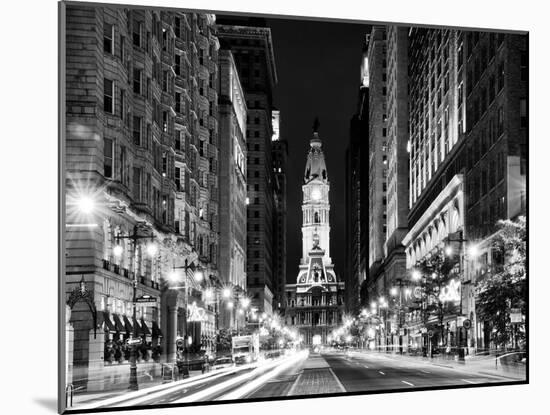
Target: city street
(306,373)
(200,267)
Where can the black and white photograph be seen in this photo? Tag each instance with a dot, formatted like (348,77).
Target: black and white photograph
(259,207)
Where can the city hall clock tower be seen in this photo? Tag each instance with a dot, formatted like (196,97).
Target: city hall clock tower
(315,302)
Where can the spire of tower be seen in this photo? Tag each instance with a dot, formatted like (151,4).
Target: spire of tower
(315,166)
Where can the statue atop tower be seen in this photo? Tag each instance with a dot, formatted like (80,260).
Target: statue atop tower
(315,165)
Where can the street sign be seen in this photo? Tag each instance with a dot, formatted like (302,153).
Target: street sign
(466,324)
(146,300)
(133,341)
(430,333)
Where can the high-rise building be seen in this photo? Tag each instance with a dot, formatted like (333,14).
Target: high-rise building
(468,120)
(141,150)
(232,177)
(356,266)
(377,159)
(280,160)
(253,53)
(397,162)
(436,118)
(495,152)
(315,304)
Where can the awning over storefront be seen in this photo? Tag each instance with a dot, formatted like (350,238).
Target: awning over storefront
(118,324)
(138,327)
(128,325)
(156,330)
(108,323)
(145,330)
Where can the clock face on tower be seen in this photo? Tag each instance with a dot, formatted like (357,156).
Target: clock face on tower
(316,193)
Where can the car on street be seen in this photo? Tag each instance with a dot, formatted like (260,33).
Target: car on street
(222,362)
(243,359)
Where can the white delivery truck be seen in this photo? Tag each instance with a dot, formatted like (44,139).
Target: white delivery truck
(245,349)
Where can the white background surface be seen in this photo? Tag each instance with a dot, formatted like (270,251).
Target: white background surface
(28,368)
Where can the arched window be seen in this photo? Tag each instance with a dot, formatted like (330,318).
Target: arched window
(317,217)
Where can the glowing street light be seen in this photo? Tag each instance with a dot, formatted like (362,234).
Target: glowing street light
(230,305)
(152,249)
(473,251)
(448,250)
(245,302)
(85,204)
(117,250)
(226,293)
(416,275)
(393,291)
(198,275)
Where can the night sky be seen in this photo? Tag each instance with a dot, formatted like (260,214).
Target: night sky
(318,66)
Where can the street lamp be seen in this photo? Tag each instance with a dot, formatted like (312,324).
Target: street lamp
(118,250)
(198,276)
(85,204)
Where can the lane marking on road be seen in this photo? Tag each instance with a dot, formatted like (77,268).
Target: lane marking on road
(425,371)
(293,387)
(250,387)
(337,380)
(382,373)
(408,383)
(468,381)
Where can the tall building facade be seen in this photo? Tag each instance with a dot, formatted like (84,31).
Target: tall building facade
(315,304)
(495,149)
(356,266)
(253,53)
(280,161)
(232,176)
(437,121)
(141,148)
(397,167)
(377,159)
(468,121)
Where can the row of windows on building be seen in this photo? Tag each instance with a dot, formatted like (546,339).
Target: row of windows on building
(481,183)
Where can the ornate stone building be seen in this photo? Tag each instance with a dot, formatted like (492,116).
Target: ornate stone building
(315,304)
(141,144)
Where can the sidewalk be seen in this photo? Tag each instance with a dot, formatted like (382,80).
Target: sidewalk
(316,378)
(121,389)
(481,365)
